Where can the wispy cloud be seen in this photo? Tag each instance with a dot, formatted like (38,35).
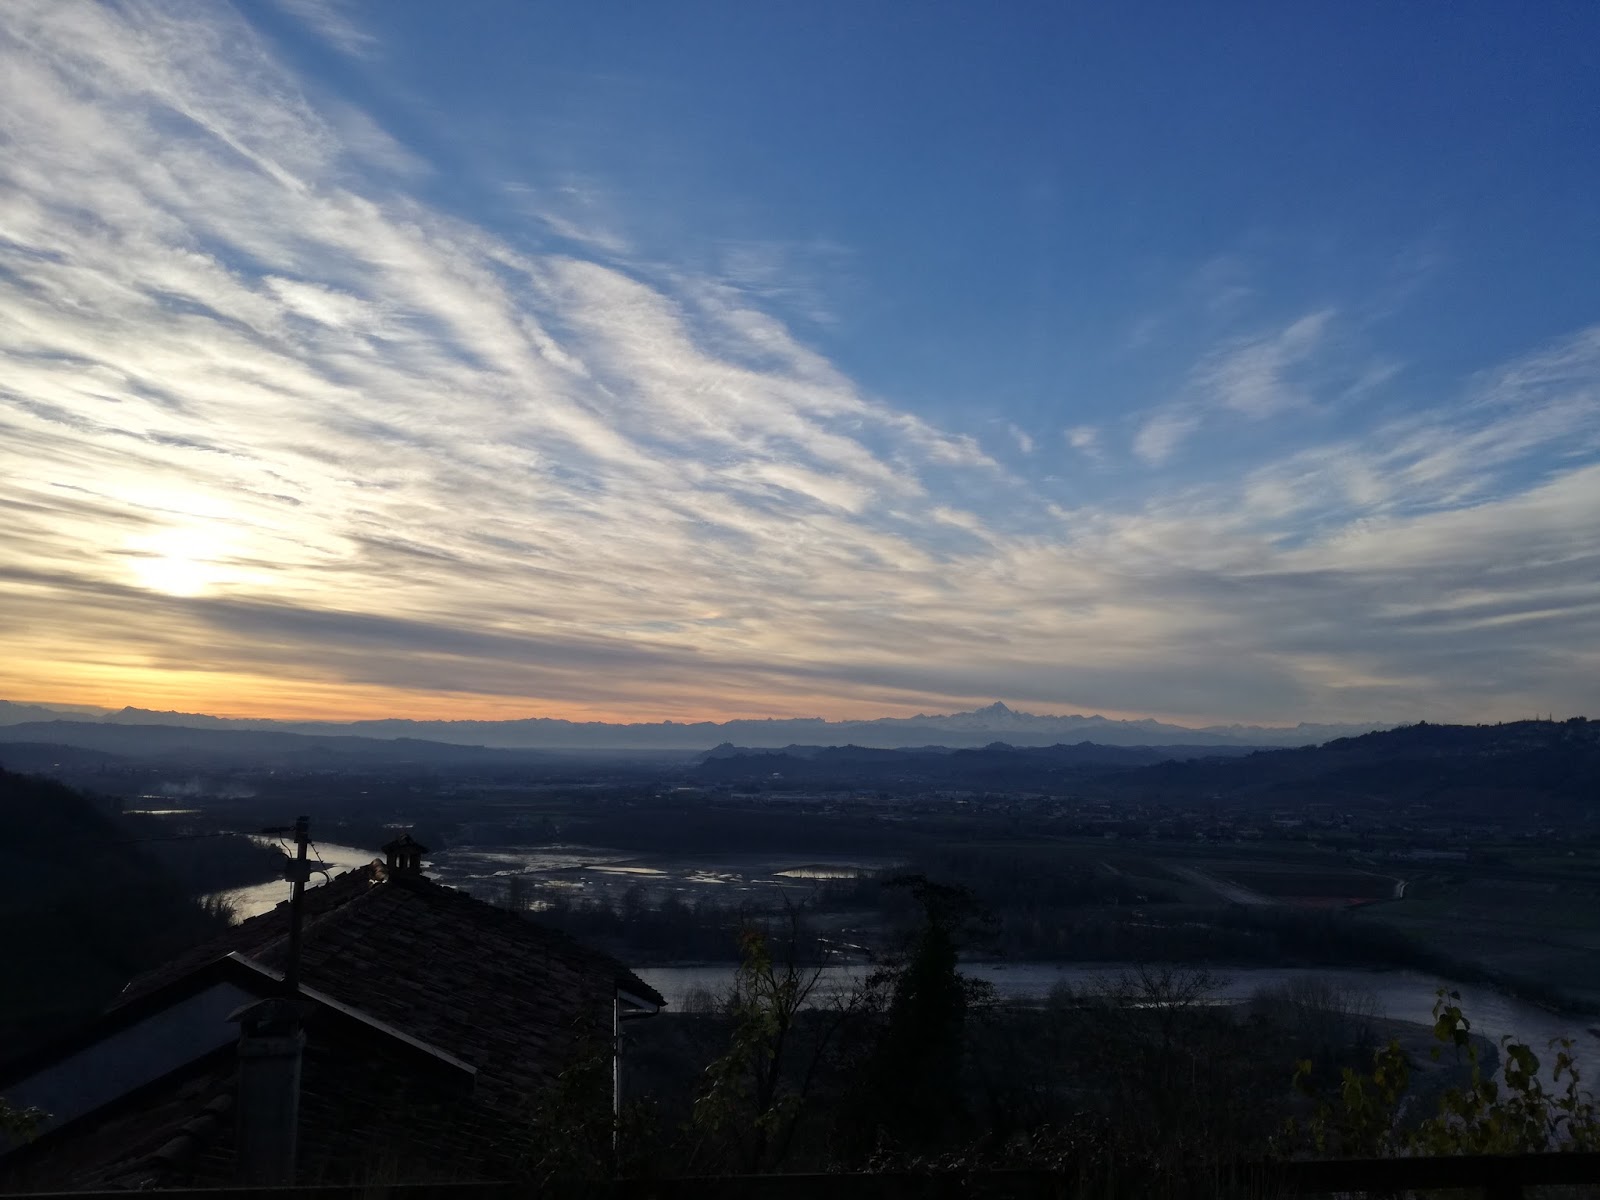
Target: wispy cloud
(331,21)
(1160,435)
(276,433)
(1085,439)
(1253,378)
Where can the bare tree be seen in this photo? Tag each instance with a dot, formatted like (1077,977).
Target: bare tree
(785,1021)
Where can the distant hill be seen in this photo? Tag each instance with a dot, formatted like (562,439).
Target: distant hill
(49,758)
(12,713)
(82,910)
(223,746)
(1543,765)
(969,730)
(1551,765)
(998,766)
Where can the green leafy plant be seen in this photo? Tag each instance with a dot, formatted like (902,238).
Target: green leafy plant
(1516,1114)
(1520,1112)
(754,1096)
(574,1136)
(1363,1123)
(19,1122)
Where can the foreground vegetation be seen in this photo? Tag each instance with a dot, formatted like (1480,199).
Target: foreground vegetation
(1047,903)
(1132,1088)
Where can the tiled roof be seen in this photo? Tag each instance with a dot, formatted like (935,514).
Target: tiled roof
(132,1144)
(366,1115)
(491,987)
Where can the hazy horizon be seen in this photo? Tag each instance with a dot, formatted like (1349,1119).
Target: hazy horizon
(863,717)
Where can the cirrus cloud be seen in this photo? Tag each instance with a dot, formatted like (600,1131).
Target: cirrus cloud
(271,426)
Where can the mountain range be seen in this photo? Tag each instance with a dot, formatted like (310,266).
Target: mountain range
(996,765)
(39,745)
(962,730)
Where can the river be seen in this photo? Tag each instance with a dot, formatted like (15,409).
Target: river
(258,898)
(1400,995)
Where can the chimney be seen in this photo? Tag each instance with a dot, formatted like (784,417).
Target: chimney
(405,855)
(271,1043)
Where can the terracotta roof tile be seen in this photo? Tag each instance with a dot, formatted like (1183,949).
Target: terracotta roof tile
(491,987)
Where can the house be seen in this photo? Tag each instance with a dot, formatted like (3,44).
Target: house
(425,1026)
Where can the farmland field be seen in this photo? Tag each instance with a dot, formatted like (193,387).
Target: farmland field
(1324,887)
(1538,928)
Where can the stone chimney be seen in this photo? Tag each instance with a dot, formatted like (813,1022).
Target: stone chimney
(271,1044)
(405,855)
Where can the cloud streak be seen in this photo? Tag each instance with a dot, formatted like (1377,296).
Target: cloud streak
(278,436)
(1251,378)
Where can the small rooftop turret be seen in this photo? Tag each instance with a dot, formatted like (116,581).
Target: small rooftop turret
(405,855)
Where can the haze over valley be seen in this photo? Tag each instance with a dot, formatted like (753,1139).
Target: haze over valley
(996,722)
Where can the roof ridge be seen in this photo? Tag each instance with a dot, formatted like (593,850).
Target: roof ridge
(327,912)
(528,927)
(350,894)
(318,893)
(506,917)
(254,935)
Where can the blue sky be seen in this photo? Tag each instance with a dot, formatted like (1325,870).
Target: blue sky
(1227,362)
(1000,215)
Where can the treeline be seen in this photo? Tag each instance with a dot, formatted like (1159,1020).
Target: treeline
(1015,880)
(1040,910)
(1235,935)
(203,864)
(677,826)
(1028,909)
(1133,1086)
(665,929)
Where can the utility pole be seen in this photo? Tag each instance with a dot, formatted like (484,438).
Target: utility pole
(271,1046)
(298,871)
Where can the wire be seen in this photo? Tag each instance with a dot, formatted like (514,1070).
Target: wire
(291,855)
(172,837)
(320,866)
(288,851)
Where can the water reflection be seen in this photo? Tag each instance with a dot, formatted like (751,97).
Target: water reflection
(592,872)
(1400,995)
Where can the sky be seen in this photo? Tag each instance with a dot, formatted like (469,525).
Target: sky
(1227,362)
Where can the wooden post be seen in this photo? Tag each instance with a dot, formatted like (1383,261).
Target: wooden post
(298,871)
(616,1076)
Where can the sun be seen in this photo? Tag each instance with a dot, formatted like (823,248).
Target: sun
(178,562)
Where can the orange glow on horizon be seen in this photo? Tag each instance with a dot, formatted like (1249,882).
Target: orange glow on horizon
(219,694)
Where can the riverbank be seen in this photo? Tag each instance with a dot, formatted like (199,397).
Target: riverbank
(1397,995)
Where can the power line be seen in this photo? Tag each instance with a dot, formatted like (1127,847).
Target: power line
(171,837)
(321,866)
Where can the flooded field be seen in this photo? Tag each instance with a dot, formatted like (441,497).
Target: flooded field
(589,872)
(598,873)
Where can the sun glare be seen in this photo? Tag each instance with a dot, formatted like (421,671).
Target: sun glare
(178,562)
